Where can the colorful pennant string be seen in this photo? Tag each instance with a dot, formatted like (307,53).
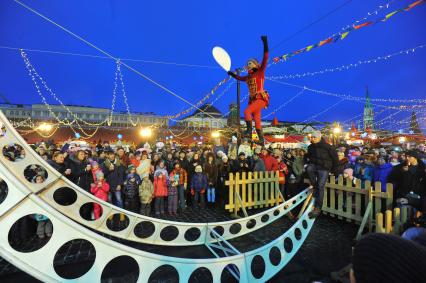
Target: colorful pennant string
(345,33)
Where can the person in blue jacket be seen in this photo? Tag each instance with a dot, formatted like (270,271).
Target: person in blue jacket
(381,172)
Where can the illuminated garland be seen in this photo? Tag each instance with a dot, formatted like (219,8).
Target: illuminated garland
(33,72)
(200,102)
(360,99)
(349,66)
(284,104)
(342,35)
(322,112)
(123,92)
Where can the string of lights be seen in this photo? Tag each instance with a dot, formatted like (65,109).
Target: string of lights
(123,91)
(284,104)
(356,98)
(322,112)
(348,66)
(34,73)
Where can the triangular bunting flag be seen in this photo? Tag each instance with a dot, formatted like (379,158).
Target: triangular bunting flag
(344,35)
(389,15)
(363,25)
(412,5)
(309,47)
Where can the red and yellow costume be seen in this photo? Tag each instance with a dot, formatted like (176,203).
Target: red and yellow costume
(259,98)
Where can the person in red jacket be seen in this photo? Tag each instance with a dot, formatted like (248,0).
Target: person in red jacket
(259,98)
(271,164)
(100,189)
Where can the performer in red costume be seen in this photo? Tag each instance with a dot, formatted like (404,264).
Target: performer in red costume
(259,98)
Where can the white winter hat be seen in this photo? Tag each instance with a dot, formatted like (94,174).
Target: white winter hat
(198,169)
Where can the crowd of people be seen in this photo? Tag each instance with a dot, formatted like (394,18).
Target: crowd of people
(169,178)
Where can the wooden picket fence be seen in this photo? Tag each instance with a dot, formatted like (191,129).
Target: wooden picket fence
(351,202)
(253,190)
(345,201)
(391,222)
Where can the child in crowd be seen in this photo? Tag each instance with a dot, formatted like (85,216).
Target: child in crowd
(348,177)
(131,190)
(95,170)
(146,194)
(161,181)
(198,187)
(172,193)
(99,189)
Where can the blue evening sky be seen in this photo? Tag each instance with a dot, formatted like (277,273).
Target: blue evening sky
(186,31)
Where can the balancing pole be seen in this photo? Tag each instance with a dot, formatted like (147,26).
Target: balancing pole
(238,108)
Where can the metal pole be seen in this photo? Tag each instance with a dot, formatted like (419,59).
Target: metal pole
(238,108)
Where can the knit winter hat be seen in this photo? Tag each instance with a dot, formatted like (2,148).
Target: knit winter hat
(349,171)
(198,169)
(388,258)
(99,174)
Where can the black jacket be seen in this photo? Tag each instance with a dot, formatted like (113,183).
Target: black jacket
(79,175)
(413,180)
(322,155)
(114,177)
(60,167)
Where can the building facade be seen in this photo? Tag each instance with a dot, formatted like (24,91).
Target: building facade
(210,117)
(43,113)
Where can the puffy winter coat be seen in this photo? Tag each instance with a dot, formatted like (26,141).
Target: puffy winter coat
(199,182)
(161,182)
(114,177)
(381,173)
(131,188)
(322,155)
(146,191)
(102,191)
(271,164)
(79,175)
(210,170)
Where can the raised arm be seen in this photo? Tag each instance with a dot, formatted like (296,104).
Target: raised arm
(265,52)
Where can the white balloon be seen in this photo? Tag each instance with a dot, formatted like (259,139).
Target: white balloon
(222,58)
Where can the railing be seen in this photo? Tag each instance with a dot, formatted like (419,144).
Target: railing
(345,201)
(350,202)
(253,190)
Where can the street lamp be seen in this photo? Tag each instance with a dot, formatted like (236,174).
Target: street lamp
(145,133)
(337,130)
(402,140)
(215,135)
(45,127)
